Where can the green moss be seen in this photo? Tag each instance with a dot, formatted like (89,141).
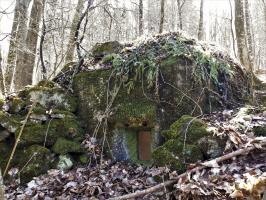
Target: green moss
(162,157)
(101,49)
(46,83)
(4,153)
(84,159)
(2,102)
(63,146)
(108,58)
(39,110)
(135,113)
(259,131)
(191,128)
(67,127)
(34,161)
(189,153)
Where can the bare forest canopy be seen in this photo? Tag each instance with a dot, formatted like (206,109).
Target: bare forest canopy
(39,37)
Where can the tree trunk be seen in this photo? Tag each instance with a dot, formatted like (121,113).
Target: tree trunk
(17,40)
(72,40)
(249,35)
(232,29)
(180,17)
(162,16)
(2,190)
(2,85)
(141,20)
(241,35)
(200,33)
(26,56)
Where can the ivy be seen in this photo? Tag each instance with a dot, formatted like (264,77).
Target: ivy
(135,65)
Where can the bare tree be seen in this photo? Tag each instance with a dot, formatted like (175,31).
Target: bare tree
(241,35)
(249,34)
(26,57)
(180,5)
(2,86)
(72,40)
(200,33)
(141,20)
(162,16)
(232,29)
(17,40)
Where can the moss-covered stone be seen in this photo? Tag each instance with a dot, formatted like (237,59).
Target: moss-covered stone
(53,98)
(16,105)
(84,159)
(46,83)
(2,102)
(101,49)
(4,153)
(212,146)
(187,128)
(176,154)
(65,162)
(35,133)
(259,131)
(64,146)
(34,161)
(9,122)
(162,157)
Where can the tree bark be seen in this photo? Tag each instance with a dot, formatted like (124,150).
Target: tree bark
(2,85)
(17,40)
(232,29)
(249,35)
(26,56)
(180,17)
(200,33)
(162,16)
(2,188)
(141,20)
(72,40)
(241,35)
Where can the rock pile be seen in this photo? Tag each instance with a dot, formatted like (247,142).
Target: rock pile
(52,134)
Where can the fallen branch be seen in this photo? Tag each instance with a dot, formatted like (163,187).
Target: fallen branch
(184,175)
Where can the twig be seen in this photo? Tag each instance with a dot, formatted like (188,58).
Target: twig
(184,175)
(18,138)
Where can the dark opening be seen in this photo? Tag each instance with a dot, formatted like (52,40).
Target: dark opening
(144,145)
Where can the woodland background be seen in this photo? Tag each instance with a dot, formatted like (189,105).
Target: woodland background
(38,37)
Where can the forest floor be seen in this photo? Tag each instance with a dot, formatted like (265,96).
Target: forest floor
(239,175)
